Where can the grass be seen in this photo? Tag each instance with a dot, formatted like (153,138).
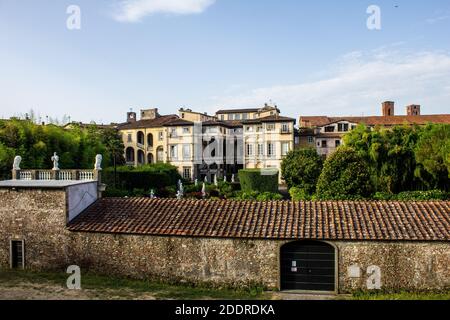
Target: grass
(444,295)
(125,288)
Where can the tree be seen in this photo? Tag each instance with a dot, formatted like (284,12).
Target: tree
(389,154)
(301,168)
(114,146)
(433,156)
(345,175)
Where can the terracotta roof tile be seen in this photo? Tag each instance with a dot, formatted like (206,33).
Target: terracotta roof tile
(319,121)
(330,220)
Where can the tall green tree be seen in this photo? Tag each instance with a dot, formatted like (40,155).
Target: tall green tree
(433,156)
(301,168)
(345,175)
(389,153)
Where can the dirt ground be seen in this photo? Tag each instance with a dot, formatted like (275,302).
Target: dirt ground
(49,291)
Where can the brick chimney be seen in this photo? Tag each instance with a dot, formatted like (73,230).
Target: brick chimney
(388,108)
(131,116)
(413,110)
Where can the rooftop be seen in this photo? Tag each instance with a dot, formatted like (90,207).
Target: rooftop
(318,121)
(333,220)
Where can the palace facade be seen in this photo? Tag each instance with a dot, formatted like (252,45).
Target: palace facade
(206,146)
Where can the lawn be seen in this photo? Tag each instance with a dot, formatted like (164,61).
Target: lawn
(445,295)
(40,285)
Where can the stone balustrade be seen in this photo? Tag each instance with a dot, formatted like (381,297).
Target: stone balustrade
(66,175)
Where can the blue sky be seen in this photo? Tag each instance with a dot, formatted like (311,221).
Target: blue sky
(308,57)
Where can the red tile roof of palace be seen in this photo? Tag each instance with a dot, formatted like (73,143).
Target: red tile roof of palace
(318,121)
(228,111)
(150,123)
(274,118)
(333,220)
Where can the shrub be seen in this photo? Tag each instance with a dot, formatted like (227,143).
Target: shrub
(299,194)
(345,175)
(414,196)
(256,180)
(301,168)
(154,176)
(255,195)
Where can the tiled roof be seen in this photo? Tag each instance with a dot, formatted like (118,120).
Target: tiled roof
(151,123)
(228,111)
(269,119)
(384,221)
(178,122)
(319,121)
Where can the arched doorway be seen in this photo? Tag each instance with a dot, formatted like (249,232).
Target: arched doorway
(150,158)
(129,155)
(160,154)
(140,157)
(308,266)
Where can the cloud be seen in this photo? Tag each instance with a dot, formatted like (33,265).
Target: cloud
(358,83)
(438,19)
(136,10)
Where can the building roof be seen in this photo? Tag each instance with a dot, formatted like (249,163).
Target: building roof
(178,123)
(319,121)
(334,220)
(228,111)
(149,123)
(273,118)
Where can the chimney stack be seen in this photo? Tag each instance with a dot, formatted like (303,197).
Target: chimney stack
(388,108)
(413,110)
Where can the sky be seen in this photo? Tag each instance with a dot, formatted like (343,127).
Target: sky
(307,57)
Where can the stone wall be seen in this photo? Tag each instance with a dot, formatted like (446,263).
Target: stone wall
(39,218)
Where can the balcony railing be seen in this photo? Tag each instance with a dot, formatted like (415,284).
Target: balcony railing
(65,175)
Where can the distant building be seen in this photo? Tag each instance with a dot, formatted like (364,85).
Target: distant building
(325,133)
(205,146)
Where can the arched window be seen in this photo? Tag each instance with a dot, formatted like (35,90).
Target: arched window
(129,154)
(140,137)
(150,140)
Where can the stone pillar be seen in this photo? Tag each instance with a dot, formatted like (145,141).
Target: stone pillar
(100,186)
(55,174)
(16,174)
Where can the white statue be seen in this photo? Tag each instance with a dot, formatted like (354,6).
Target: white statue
(204,190)
(216,183)
(232,178)
(16,164)
(98,162)
(196,182)
(55,160)
(206,179)
(152,194)
(225,179)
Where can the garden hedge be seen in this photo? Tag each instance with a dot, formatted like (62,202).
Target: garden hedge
(256,180)
(147,177)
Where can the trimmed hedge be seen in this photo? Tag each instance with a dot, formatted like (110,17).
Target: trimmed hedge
(255,180)
(154,176)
